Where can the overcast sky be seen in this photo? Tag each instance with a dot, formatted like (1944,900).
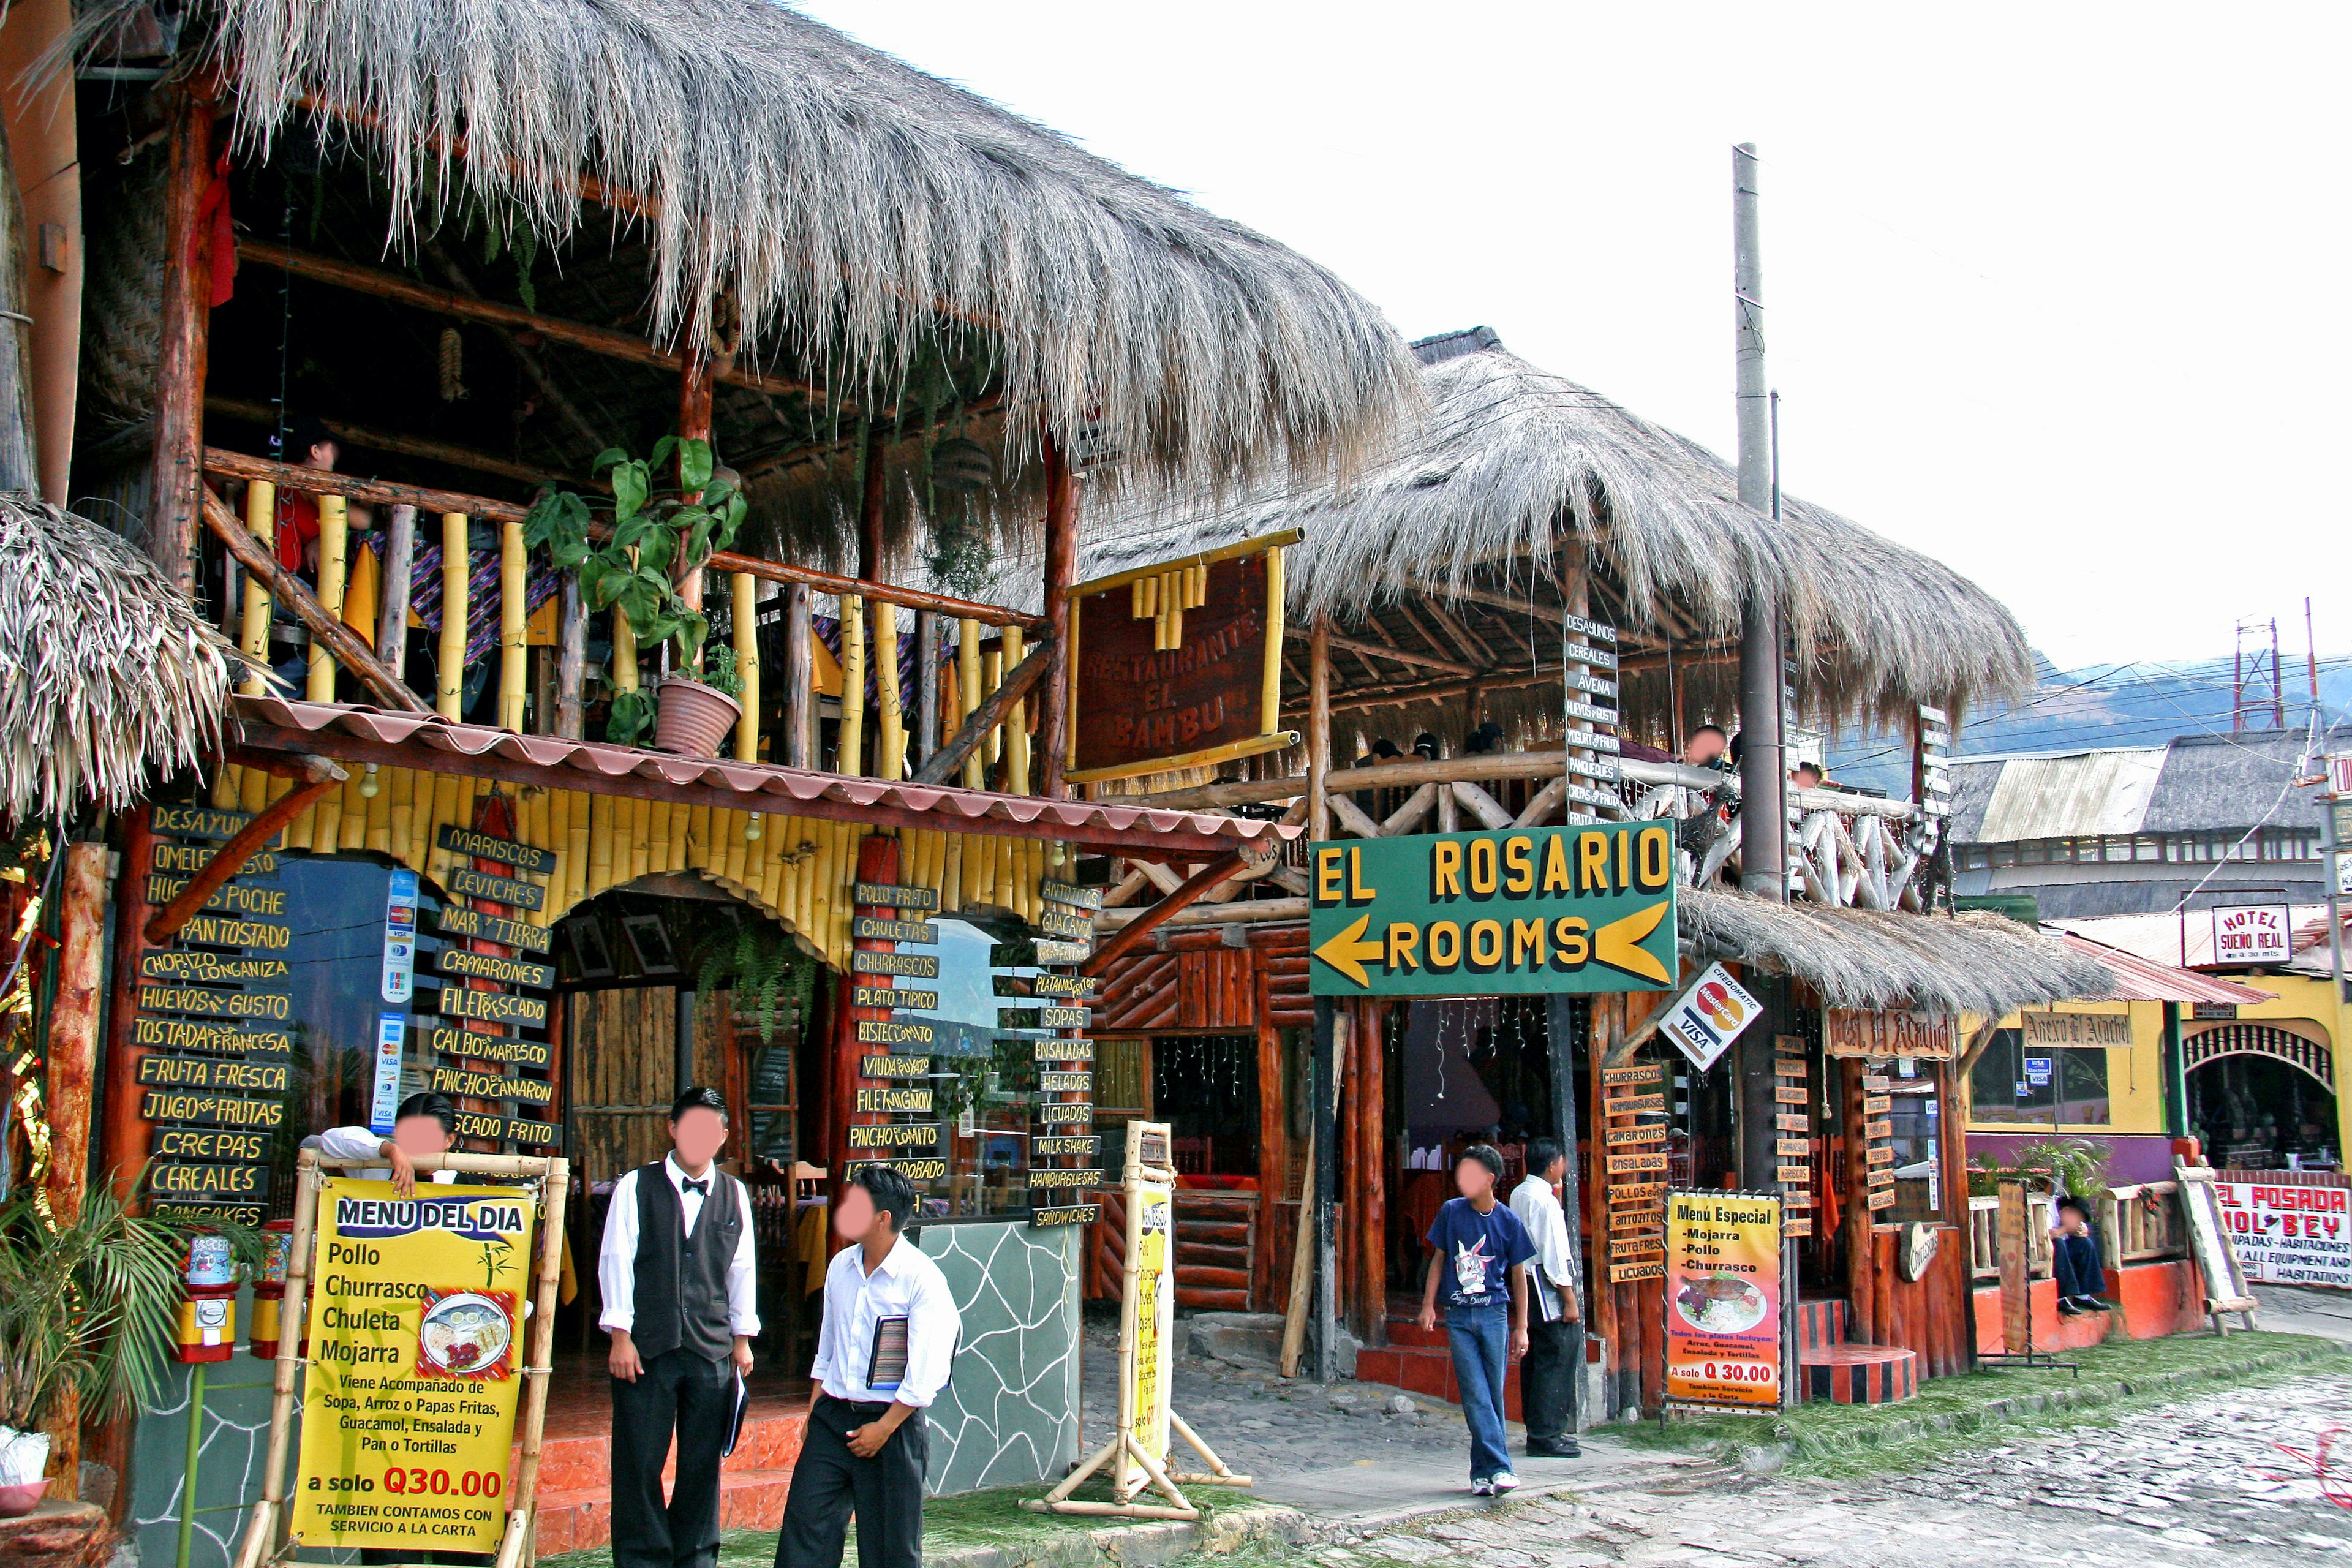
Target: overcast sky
(2052,292)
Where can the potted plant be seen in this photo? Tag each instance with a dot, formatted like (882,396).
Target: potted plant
(631,552)
(86,1306)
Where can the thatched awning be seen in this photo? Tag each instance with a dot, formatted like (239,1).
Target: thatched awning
(1516,466)
(1971,962)
(850,205)
(105,671)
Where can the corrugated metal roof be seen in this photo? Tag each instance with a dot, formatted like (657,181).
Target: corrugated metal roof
(2138,979)
(2080,795)
(370,734)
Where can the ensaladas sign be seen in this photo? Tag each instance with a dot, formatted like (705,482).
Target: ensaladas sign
(1516,911)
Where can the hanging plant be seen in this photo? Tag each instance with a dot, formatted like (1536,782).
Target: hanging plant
(759,963)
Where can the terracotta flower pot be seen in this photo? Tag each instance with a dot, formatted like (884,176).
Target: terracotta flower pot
(692,718)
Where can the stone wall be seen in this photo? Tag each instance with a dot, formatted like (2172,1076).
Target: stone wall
(1008,1415)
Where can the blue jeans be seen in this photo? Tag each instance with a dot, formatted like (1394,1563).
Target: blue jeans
(1481,1339)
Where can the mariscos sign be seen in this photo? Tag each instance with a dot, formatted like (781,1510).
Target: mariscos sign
(1512,913)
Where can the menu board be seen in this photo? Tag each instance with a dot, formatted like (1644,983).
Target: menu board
(1792,1143)
(214,1019)
(1064,1152)
(1633,1140)
(898,1123)
(481,1048)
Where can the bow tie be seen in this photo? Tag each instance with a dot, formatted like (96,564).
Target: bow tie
(702,1186)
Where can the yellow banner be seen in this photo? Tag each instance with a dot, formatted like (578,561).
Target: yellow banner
(1153,1207)
(416,1353)
(1723,1298)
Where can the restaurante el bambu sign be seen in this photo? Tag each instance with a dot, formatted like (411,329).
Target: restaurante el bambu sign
(1514,911)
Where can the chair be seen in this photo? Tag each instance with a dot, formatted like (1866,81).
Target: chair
(1194,1156)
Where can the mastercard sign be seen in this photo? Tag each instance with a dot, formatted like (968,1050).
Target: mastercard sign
(1512,911)
(1710,1016)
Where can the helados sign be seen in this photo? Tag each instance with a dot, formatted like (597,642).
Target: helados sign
(1521,911)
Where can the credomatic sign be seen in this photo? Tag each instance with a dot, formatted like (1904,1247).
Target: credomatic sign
(1515,912)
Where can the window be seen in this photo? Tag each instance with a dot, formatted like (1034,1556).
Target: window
(2046,1087)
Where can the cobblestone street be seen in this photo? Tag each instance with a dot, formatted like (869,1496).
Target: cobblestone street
(2202,1482)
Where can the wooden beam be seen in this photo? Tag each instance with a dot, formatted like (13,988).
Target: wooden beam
(1481,806)
(232,856)
(987,716)
(549,387)
(184,322)
(1053,736)
(605,341)
(391,597)
(72,1066)
(1257,911)
(343,644)
(1318,731)
(1150,919)
(402,446)
(240,465)
(1372,775)
(1376,650)
(1351,816)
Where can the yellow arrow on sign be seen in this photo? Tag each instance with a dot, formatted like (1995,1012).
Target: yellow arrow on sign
(1618,944)
(1346,954)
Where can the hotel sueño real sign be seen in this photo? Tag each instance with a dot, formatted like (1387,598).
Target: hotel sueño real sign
(1516,912)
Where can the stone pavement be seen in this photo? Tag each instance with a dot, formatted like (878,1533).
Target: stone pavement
(2305,1309)
(2203,1482)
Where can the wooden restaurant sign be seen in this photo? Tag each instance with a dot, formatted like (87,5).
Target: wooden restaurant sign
(1515,912)
(1853,1032)
(1178,664)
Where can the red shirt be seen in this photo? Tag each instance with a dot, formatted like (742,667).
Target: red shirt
(298,525)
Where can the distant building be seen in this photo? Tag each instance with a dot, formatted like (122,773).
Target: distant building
(2132,830)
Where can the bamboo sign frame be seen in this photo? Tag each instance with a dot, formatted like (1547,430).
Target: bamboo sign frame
(1146,1317)
(2209,1244)
(265,1542)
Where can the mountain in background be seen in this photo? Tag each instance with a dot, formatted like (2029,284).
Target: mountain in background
(2102,705)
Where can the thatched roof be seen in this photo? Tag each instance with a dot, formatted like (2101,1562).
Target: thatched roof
(1971,962)
(1515,464)
(105,670)
(851,204)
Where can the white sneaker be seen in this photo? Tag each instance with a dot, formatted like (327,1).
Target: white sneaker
(1483,1489)
(1503,1481)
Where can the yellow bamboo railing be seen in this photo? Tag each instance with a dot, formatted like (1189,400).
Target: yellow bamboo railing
(890,749)
(261,521)
(514,658)
(849,750)
(968,675)
(449,681)
(333,575)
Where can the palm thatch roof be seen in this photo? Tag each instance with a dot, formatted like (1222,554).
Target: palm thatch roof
(1516,472)
(1974,961)
(105,670)
(849,206)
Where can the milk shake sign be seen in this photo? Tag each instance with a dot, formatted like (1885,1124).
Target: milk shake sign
(2253,934)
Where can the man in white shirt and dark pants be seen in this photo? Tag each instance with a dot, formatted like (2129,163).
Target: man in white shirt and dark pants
(889,1333)
(1547,1388)
(681,1303)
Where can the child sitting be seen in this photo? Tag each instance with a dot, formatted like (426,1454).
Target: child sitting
(2075,1259)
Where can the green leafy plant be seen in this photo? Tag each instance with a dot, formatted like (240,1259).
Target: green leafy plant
(651,536)
(2076,1166)
(87,1307)
(720,672)
(758,960)
(630,718)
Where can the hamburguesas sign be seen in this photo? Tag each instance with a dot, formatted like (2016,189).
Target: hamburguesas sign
(408,1406)
(1515,912)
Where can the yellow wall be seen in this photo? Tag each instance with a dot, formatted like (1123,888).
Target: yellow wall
(2301,996)
(798,870)
(2134,1077)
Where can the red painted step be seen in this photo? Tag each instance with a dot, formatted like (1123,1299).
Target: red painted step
(575,1470)
(1819,1324)
(1860,1375)
(1426,1369)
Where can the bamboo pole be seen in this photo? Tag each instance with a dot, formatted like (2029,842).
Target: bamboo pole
(1016,723)
(261,521)
(334,544)
(890,742)
(1319,731)
(849,752)
(967,674)
(514,658)
(747,664)
(260,1536)
(449,684)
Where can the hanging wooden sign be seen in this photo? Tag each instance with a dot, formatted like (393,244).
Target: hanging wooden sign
(913,965)
(515,894)
(875,928)
(199,822)
(1852,1032)
(276,1006)
(485,926)
(1071,894)
(884,896)
(229,898)
(1064,1050)
(1074,925)
(892,996)
(225,1039)
(475,845)
(207,1143)
(490,1048)
(1178,664)
(894,1135)
(1050,952)
(227,930)
(210,1109)
(185,860)
(214,1072)
(1054,1146)
(1072,985)
(893,1032)
(210,968)
(492,1007)
(491,967)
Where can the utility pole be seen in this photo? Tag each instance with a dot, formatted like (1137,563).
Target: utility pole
(1763,777)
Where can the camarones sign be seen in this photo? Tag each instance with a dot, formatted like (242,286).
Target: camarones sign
(1517,911)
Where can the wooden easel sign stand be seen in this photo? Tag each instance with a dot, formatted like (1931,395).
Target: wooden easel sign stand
(446,1257)
(1146,1340)
(2210,1245)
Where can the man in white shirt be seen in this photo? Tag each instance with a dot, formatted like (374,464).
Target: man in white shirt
(1546,1376)
(424,1124)
(680,1290)
(889,1333)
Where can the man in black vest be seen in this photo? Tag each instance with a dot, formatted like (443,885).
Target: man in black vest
(680,1302)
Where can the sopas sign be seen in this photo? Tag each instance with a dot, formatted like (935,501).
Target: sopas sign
(1516,912)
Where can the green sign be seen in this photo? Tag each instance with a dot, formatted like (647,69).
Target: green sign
(1512,913)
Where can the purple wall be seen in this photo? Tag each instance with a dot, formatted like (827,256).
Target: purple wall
(2135,1157)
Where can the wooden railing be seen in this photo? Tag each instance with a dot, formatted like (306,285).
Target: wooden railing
(2139,1224)
(976,664)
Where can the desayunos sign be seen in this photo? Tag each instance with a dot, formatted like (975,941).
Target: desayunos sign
(2253,934)
(1514,911)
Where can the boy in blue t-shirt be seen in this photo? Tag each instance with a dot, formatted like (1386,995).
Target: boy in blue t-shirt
(1481,1252)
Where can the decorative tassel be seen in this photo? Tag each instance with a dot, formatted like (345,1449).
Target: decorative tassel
(453,364)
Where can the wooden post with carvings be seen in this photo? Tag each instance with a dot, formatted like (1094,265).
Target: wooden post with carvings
(1061,574)
(182,332)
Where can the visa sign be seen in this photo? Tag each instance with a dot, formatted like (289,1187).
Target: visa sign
(1516,912)
(1710,1016)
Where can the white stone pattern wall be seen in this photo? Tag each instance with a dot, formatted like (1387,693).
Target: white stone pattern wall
(1008,1415)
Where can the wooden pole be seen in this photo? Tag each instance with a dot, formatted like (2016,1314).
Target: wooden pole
(1856,1199)
(121,1146)
(555,1190)
(73,1024)
(1319,731)
(927,685)
(1272,1127)
(747,664)
(800,680)
(449,683)
(1372,1212)
(1331,1063)
(514,656)
(261,521)
(260,1536)
(1061,575)
(334,544)
(694,425)
(232,856)
(182,320)
(391,612)
(571,660)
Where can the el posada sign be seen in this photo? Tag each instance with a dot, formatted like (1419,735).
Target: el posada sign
(1516,911)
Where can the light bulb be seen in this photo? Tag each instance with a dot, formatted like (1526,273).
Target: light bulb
(368,786)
